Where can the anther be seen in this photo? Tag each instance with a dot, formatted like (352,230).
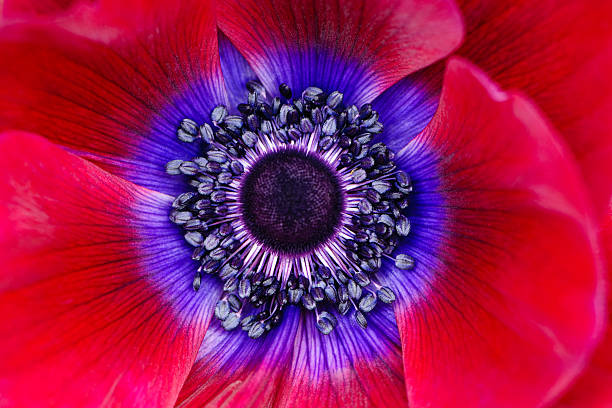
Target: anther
(403,261)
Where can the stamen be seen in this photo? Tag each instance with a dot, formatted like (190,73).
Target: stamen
(292,204)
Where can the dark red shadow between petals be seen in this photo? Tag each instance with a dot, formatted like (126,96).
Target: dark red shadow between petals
(11,9)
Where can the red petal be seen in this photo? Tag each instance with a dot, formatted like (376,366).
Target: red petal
(355,46)
(234,370)
(297,366)
(350,367)
(592,389)
(95,286)
(506,301)
(560,53)
(118,99)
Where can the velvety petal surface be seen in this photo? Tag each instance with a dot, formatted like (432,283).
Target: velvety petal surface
(505,303)
(592,389)
(118,95)
(560,53)
(358,47)
(95,286)
(297,366)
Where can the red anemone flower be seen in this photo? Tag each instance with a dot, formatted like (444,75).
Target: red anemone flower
(278,203)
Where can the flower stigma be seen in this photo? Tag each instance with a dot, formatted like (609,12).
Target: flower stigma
(292,203)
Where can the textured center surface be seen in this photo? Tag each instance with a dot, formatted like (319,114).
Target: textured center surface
(292,202)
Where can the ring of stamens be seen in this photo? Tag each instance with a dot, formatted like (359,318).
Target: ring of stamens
(292,204)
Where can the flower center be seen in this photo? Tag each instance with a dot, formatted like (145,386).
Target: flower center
(292,203)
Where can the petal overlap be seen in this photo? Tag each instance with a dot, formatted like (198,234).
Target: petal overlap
(235,370)
(506,301)
(592,388)
(408,106)
(560,54)
(236,71)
